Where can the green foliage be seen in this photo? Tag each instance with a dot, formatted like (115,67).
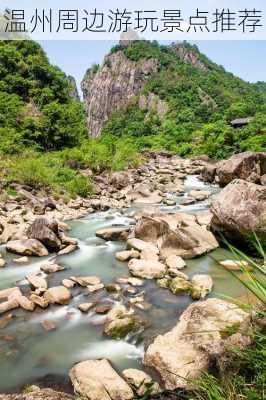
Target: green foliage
(201,104)
(36,108)
(46,171)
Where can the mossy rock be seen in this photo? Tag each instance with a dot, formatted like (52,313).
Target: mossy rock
(179,286)
(120,328)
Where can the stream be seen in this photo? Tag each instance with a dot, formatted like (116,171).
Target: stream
(28,353)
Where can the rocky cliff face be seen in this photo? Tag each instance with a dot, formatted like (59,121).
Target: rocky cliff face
(111,87)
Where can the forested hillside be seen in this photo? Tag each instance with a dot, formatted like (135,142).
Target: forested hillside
(176,99)
(36,108)
(201,99)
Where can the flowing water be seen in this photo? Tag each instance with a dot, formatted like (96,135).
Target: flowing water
(29,353)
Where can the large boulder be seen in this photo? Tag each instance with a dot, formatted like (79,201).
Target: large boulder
(46,232)
(28,247)
(97,380)
(239,210)
(241,166)
(177,234)
(184,353)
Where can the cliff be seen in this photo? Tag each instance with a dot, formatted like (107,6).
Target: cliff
(111,86)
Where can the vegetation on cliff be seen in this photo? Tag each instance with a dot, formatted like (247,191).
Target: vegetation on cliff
(202,100)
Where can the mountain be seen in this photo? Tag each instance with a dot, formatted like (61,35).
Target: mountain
(173,97)
(37,108)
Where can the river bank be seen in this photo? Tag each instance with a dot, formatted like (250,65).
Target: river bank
(50,341)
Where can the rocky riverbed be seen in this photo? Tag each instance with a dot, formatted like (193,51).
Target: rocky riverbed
(101,278)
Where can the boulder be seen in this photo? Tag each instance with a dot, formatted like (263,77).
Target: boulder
(150,229)
(57,295)
(199,195)
(85,307)
(86,280)
(68,249)
(201,286)
(234,265)
(39,301)
(239,210)
(52,268)
(141,382)
(183,354)
(28,247)
(68,283)
(127,255)
(146,269)
(141,245)
(25,303)
(208,173)
(175,262)
(46,232)
(120,322)
(97,380)
(174,234)
(241,166)
(113,233)
(120,179)
(179,285)
(37,282)
(8,305)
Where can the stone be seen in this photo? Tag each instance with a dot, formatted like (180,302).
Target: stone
(241,166)
(21,260)
(120,328)
(175,262)
(52,268)
(97,380)
(120,179)
(201,286)
(239,210)
(150,229)
(48,325)
(85,281)
(85,307)
(179,285)
(57,295)
(113,233)
(146,269)
(68,283)
(38,394)
(103,308)
(234,265)
(126,255)
(183,354)
(2,263)
(141,382)
(135,281)
(199,195)
(95,288)
(28,247)
(10,293)
(8,305)
(38,282)
(113,288)
(46,232)
(141,245)
(208,173)
(263,180)
(149,255)
(25,303)
(204,218)
(39,301)
(68,249)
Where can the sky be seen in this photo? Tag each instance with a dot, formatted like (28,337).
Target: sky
(245,59)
